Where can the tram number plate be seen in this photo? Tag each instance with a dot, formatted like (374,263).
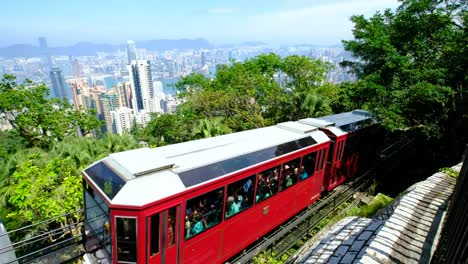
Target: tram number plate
(266,209)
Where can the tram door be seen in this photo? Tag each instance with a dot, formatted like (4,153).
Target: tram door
(164,230)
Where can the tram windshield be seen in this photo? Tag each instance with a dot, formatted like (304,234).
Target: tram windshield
(97,217)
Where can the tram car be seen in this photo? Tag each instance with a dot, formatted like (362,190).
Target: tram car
(203,201)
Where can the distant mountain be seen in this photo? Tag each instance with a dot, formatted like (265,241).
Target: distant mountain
(88,48)
(253,44)
(166,44)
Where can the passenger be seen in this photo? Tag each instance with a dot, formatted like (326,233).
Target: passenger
(233,207)
(289,181)
(199,226)
(170,231)
(262,188)
(303,173)
(188,225)
(247,186)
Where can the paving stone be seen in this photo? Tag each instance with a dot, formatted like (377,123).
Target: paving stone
(364,235)
(311,260)
(374,226)
(341,251)
(334,260)
(368,260)
(349,241)
(357,246)
(348,258)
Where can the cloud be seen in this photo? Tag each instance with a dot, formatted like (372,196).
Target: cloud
(218,11)
(319,23)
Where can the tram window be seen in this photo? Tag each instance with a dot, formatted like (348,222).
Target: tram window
(153,225)
(307,166)
(126,239)
(203,212)
(171,217)
(240,196)
(331,149)
(267,184)
(342,146)
(321,160)
(289,174)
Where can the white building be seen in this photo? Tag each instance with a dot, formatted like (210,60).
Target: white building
(122,119)
(142,84)
(158,87)
(143,118)
(157,103)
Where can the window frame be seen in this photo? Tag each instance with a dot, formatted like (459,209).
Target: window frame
(135,218)
(292,173)
(216,190)
(254,177)
(266,169)
(149,227)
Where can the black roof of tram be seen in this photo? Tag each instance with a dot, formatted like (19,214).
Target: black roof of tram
(218,169)
(350,121)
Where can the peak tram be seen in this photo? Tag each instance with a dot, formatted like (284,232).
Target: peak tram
(203,201)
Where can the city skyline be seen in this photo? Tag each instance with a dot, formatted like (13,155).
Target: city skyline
(276,22)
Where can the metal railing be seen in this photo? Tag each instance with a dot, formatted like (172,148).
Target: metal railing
(453,244)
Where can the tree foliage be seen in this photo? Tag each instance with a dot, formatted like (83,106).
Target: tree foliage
(38,184)
(40,120)
(412,63)
(257,92)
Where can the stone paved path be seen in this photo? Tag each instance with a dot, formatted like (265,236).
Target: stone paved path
(403,232)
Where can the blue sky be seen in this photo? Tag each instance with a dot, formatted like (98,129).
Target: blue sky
(273,21)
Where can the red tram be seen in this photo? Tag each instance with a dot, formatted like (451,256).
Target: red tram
(204,201)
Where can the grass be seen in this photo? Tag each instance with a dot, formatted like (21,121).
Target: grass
(369,210)
(450,172)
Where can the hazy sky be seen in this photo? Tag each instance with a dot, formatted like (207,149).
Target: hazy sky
(66,22)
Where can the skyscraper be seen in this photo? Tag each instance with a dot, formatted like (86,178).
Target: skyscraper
(203,59)
(109,102)
(124,90)
(45,51)
(131,51)
(142,84)
(58,83)
(42,43)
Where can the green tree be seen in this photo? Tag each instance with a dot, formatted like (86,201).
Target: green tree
(166,129)
(411,74)
(210,127)
(37,119)
(248,95)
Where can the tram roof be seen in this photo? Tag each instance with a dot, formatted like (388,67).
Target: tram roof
(350,121)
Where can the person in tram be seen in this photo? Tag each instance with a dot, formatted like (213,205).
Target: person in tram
(303,173)
(170,231)
(262,187)
(188,225)
(200,225)
(232,207)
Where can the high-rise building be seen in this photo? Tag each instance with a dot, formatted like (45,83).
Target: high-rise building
(122,119)
(158,87)
(58,83)
(76,68)
(78,87)
(131,51)
(203,59)
(45,52)
(42,43)
(109,102)
(124,90)
(142,84)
